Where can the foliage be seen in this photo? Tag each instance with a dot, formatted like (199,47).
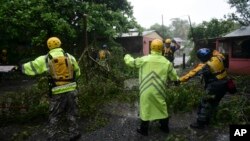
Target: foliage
(177,28)
(184,98)
(30,104)
(26,25)
(163,30)
(212,29)
(241,83)
(103,87)
(235,109)
(94,94)
(180,28)
(242,14)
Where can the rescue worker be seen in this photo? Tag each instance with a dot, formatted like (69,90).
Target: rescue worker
(170,47)
(215,77)
(154,71)
(4,57)
(104,56)
(63,70)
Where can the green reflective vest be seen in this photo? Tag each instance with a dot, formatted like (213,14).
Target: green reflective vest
(154,71)
(40,65)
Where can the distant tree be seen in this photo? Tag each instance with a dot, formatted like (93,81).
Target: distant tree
(212,29)
(177,28)
(180,28)
(164,31)
(242,14)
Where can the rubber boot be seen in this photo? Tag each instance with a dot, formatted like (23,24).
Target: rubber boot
(164,125)
(143,130)
(198,125)
(76,137)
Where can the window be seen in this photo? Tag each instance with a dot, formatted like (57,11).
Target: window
(241,48)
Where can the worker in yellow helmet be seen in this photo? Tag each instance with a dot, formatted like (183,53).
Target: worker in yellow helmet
(215,76)
(154,71)
(63,70)
(170,47)
(104,56)
(4,57)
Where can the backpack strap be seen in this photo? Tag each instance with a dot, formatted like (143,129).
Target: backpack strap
(67,61)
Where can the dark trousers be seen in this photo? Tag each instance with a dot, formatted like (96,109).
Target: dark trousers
(215,91)
(60,104)
(163,122)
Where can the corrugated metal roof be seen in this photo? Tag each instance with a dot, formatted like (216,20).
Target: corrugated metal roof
(243,31)
(147,32)
(178,39)
(6,68)
(136,33)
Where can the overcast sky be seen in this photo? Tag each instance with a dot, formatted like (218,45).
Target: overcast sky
(149,12)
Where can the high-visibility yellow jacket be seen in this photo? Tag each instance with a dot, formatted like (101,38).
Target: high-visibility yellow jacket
(40,65)
(103,55)
(211,70)
(154,71)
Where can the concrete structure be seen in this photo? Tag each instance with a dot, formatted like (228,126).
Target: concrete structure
(236,47)
(136,43)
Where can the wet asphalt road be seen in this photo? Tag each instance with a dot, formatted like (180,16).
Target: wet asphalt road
(123,121)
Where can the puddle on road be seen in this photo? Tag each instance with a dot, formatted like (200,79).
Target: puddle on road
(179,123)
(122,109)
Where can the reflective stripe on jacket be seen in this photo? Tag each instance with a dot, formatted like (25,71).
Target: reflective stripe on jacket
(39,66)
(154,71)
(64,88)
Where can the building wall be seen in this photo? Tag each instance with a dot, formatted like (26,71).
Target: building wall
(146,45)
(147,39)
(132,45)
(235,65)
(153,35)
(139,45)
(238,65)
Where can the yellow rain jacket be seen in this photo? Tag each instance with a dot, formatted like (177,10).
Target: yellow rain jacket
(40,65)
(154,71)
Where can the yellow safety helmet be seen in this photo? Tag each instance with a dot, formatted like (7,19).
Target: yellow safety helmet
(168,41)
(156,45)
(102,55)
(53,42)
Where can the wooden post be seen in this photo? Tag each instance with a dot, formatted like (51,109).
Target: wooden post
(85,38)
(183,61)
(85,31)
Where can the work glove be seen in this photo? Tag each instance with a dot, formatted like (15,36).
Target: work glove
(177,82)
(17,68)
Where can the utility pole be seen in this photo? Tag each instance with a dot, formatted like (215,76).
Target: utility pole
(85,38)
(191,28)
(192,32)
(162,26)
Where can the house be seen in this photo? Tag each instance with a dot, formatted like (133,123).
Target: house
(136,43)
(236,47)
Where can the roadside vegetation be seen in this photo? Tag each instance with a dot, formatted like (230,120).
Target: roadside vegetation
(101,20)
(32,102)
